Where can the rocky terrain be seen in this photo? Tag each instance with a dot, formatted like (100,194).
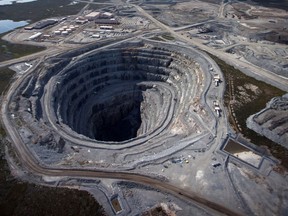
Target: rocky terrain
(272,121)
(140,117)
(113,98)
(23,198)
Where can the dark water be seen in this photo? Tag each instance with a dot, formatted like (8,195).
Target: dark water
(233,147)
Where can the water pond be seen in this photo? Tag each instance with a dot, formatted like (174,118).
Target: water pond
(7,25)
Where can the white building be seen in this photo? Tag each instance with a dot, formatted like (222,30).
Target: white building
(34,36)
(92,16)
(106,27)
(106,15)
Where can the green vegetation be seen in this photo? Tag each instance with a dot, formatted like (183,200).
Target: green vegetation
(157,38)
(157,211)
(2,132)
(21,198)
(245,108)
(39,10)
(101,1)
(33,11)
(6,74)
(162,37)
(99,6)
(274,4)
(9,51)
(167,37)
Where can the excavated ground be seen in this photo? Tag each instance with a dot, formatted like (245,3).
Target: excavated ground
(104,96)
(135,93)
(116,94)
(272,121)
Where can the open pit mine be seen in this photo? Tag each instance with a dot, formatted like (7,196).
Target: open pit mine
(128,102)
(132,112)
(132,97)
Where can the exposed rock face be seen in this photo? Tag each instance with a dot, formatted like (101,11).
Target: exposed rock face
(120,93)
(272,121)
(48,140)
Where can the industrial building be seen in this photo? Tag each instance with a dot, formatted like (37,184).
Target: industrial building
(97,15)
(107,21)
(45,23)
(34,36)
(95,36)
(28,28)
(105,27)
(81,21)
(92,16)
(106,15)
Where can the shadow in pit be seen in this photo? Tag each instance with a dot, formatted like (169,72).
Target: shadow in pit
(121,120)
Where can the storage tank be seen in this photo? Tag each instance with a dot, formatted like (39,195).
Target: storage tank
(64,32)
